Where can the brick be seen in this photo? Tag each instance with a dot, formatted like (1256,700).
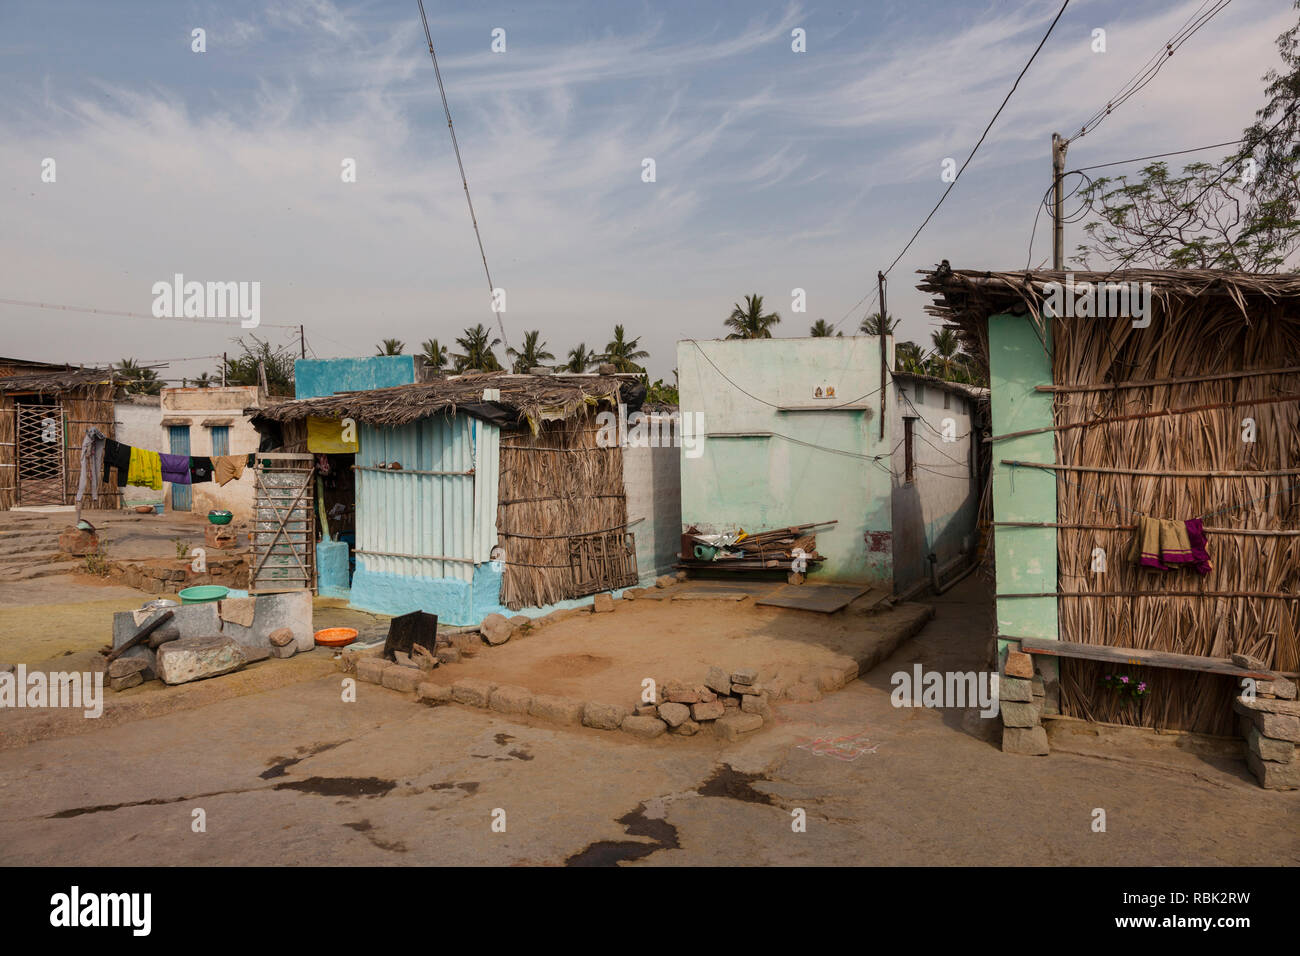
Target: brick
(603,716)
(432,693)
(646,728)
(397,677)
(371,669)
(1272,775)
(680,693)
(1015,714)
(709,710)
(560,710)
(1281,751)
(472,691)
(1019,664)
(1016,689)
(733,725)
(509,699)
(1031,741)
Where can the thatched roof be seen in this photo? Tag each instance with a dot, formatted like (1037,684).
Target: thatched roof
(974,392)
(56,380)
(532,398)
(966,296)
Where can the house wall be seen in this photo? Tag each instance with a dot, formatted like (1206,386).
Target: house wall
(936,512)
(756,470)
(314,378)
(138,419)
(652,480)
(197,405)
(1026,557)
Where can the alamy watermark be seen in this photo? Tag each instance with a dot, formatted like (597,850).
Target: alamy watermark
(946,689)
(1109,300)
(683,430)
(179,299)
(19,688)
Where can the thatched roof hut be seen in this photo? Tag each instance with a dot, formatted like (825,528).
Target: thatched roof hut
(1191,413)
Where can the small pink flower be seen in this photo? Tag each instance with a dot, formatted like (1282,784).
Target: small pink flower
(1123,680)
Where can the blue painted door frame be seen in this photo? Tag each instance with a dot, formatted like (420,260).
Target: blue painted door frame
(180,445)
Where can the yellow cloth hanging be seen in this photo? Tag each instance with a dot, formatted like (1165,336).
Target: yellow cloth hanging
(145,469)
(325,437)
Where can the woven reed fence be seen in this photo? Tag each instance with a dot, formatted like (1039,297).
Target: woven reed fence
(1196,336)
(553,485)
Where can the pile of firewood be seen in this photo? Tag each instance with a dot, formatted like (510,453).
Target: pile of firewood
(773,550)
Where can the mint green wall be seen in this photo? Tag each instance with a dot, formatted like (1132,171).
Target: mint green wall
(763,481)
(1026,557)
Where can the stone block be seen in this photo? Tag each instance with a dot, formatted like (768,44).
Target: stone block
(646,710)
(560,710)
(1015,714)
(371,669)
(280,637)
(75,541)
(803,692)
(665,581)
(1281,751)
(509,699)
(195,658)
(756,704)
(1016,689)
(746,675)
(718,680)
(1031,741)
(734,725)
(1277,726)
(1278,687)
(646,728)
(467,642)
(687,728)
(472,691)
(256,652)
(284,651)
(432,693)
(747,689)
(829,680)
(1019,664)
(404,679)
(674,714)
(1266,705)
(602,603)
(128,680)
(709,710)
(603,716)
(679,693)
(496,629)
(1249,662)
(1272,775)
(125,667)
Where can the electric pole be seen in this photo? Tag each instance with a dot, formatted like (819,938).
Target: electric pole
(1058,200)
(302,342)
(883,329)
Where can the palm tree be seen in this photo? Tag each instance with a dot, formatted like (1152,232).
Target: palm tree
(909,357)
(203,381)
(531,355)
(580,359)
(622,353)
(476,351)
(822,329)
(434,355)
(875,322)
(391,347)
(944,361)
(142,381)
(750,322)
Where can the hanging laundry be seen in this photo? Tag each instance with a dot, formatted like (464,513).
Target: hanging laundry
(1145,549)
(325,435)
(175,468)
(200,470)
(228,467)
(145,469)
(1199,545)
(1175,548)
(92,463)
(1167,544)
(116,455)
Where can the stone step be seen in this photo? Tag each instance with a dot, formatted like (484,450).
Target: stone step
(31,558)
(42,570)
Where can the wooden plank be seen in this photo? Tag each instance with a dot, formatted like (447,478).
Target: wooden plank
(823,598)
(1137,657)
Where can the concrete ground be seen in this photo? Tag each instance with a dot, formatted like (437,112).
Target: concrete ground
(296,775)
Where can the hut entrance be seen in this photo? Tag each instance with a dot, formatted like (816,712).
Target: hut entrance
(41,477)
(284,528)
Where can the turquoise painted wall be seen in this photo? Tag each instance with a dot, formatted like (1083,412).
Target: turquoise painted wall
(1026,557)
(758,469)
(314,378)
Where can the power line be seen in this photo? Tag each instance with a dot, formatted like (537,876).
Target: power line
(1005,100)
(464,182)
(1139,159)
(763,401)
(1151,68)
(129,315)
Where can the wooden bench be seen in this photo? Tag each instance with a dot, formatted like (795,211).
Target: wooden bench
(1134,656)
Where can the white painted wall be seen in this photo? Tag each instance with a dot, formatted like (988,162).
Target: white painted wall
(652,482)
(138,423)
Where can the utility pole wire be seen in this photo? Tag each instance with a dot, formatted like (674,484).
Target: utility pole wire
(464,182)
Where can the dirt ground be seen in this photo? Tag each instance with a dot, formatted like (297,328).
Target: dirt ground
(297,775)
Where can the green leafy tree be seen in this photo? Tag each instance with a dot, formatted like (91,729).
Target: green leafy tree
(476,351)
(533,353)
(623,353)
(943,361)
(658,393)
(434,355)
(751,322)
(580,359)
(391,347)
(909,357)
(822,329)
(877,324)
(204,381)
(242,369)
(139,380)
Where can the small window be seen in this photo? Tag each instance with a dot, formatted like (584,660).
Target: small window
(947,399)
(909,457)
(221,439)
(920,394)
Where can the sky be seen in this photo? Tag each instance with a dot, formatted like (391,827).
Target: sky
(774,170)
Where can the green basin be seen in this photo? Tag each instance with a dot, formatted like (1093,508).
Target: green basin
(220,517)
(203,594)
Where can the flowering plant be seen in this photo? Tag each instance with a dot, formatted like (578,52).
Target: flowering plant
(1125,686)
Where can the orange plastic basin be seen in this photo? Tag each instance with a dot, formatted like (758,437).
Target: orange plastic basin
(336,636)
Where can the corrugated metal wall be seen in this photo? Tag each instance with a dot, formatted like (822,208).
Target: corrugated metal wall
(421,516)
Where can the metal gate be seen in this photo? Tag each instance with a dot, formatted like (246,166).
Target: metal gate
(41,477)
(284,524)
(179,438)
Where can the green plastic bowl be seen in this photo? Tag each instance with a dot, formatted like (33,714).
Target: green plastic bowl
(203,594)
(220,517)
